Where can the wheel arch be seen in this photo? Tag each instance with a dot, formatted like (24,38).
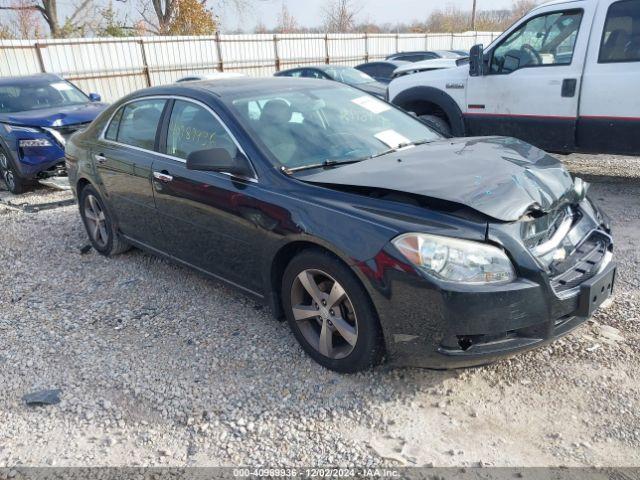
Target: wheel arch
(285,253)
(432,101)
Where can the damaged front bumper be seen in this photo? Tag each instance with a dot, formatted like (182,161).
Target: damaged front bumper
(431,324)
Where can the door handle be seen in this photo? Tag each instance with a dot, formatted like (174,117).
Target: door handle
(163,177)
(100,158)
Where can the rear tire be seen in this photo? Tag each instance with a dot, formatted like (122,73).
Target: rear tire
(336,324)
(440,125)
(99,224)
(12,180)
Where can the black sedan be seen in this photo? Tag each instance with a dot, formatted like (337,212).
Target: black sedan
(381,71)
(369,232)
(347,75)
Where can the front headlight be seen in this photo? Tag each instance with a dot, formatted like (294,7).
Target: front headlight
(455,260)
(17,128)
(34,142)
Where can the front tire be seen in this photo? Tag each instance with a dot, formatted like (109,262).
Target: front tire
(440,125)
(99,224)
(12,180)
(330,313)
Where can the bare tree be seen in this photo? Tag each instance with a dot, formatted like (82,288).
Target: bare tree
(157,15)
(520,7)
(75,22)
(286,22)
(339,16)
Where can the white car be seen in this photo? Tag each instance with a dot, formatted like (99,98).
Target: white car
(428,66)
(210,76)
(564,77)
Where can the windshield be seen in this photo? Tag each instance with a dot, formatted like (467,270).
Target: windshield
(348,75)
(35,95)
(309,126)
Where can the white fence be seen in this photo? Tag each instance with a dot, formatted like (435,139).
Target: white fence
(117,66)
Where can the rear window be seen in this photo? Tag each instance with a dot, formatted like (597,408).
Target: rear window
(621,35)
(136,123)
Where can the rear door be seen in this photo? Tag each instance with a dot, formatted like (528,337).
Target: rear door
(531,88)
(123,159)
(609,119)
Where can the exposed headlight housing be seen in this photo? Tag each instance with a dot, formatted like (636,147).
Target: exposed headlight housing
(454,260)
(17,128)
(34,142)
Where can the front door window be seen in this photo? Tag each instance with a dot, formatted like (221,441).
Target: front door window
(544,40)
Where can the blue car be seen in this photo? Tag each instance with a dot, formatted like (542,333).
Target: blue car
(37,115)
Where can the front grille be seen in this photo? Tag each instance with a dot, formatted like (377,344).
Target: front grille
(539,230)
(581,265)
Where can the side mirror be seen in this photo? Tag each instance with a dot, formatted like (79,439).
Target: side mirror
(476,61)
(95,97)
(219,160)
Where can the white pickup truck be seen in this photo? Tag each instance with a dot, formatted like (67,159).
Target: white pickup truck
(566,78)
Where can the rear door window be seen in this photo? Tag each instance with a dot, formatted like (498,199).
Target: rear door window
(139,123)
(621,36)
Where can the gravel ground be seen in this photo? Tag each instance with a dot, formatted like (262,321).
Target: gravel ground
(159,366)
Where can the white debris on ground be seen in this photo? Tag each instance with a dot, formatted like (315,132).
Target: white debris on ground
(157,365)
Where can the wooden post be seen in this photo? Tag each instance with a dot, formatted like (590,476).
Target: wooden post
(145,65)
(366,47)
(219,50)
(275,52)
(473,16)
(39,55)
(326,48)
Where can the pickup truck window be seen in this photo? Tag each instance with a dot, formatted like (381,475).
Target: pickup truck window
(545,40)
(621,34)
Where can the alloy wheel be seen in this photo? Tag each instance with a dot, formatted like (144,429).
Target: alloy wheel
(324,313)
(7,173)
(96,220)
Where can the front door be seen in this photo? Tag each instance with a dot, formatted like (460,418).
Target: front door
(532,85)
(123,160)
(206,216)
(609,119)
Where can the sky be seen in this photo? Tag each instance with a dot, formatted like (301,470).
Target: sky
(307,12)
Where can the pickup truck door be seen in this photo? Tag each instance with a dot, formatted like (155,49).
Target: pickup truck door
(531,84)
(609,119)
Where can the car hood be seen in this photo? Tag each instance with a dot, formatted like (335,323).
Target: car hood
(55,117)
(503,178)
(428,64)
(376,88)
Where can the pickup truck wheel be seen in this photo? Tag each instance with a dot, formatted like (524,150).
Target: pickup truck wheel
(438,124)
(13,182)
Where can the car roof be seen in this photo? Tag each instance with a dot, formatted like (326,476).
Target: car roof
(553,2)
(427,64)
(396,63)
(411,51)
(29,79)
(323,66)
(236,87)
